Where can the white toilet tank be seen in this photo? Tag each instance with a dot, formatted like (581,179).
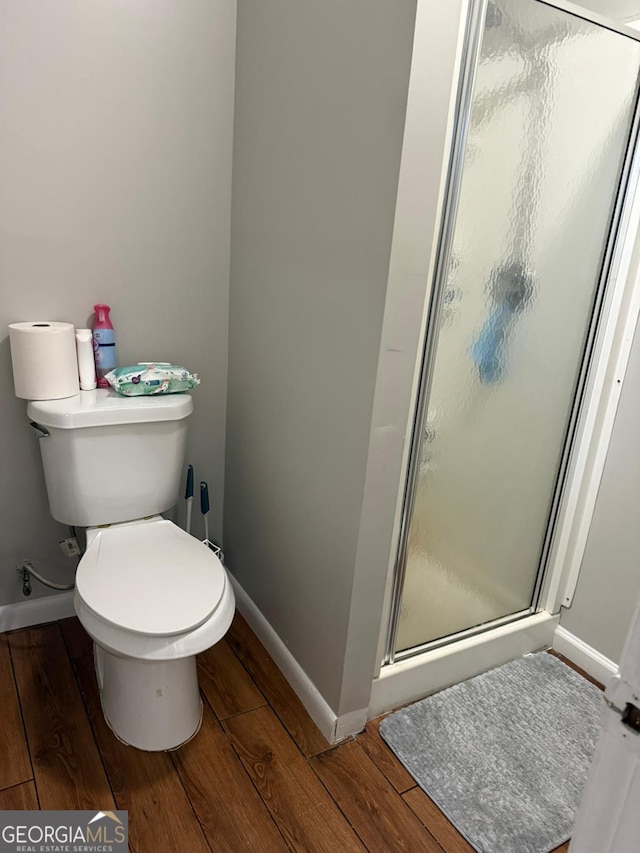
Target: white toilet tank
(109,458)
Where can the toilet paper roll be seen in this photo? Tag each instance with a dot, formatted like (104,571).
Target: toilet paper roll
(45,366)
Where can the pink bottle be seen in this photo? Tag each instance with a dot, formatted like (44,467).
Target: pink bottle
(104,344)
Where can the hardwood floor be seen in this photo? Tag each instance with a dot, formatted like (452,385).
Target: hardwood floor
(67,767)
(258,777)
(15,764)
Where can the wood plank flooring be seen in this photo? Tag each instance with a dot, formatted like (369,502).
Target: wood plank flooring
(67,767)
(15,764)
(258,777)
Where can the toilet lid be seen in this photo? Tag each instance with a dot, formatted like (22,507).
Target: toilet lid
(150,577)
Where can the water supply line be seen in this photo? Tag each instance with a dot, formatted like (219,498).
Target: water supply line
(26,569)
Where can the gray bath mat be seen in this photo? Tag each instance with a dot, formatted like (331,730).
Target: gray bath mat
(504,755)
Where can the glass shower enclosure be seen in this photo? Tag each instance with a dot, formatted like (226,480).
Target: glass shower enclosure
(545,130)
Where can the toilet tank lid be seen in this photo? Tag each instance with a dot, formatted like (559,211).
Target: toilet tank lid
(103,407)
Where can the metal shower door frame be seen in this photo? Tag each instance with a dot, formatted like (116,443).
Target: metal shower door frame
(472,46)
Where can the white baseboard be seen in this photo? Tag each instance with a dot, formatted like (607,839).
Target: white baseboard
(424,674)
(586,657)
(36,611)
(333,728)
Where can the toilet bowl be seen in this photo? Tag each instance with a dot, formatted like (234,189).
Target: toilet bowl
(151,597)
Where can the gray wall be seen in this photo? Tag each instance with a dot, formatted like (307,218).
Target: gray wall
(321,93)
(115,167)
(609,582)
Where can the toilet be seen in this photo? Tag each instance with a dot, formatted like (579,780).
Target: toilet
(150,595)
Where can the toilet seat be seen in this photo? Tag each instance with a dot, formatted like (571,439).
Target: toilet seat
(150,578)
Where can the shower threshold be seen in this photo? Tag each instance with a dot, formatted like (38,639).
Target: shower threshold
(438,642)
(421,671)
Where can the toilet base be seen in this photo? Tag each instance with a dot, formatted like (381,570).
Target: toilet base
(151,705)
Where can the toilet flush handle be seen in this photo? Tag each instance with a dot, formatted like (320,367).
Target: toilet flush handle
(40,431)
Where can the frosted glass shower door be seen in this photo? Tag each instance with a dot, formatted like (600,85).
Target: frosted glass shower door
(549,126)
